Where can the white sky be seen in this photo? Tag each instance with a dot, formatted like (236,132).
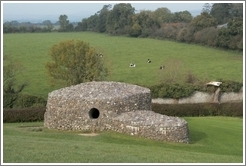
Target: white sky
(77,10)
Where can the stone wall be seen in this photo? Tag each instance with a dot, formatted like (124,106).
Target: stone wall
(121,107)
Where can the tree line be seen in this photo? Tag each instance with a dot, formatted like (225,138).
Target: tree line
(218,25)
(179,26)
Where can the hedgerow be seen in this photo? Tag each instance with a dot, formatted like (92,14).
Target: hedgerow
(182,90)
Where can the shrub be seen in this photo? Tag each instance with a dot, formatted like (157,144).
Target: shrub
(9,99)
(206,36)
(176,91)
(200,109)
(23,114)
(25,100)
(230,86)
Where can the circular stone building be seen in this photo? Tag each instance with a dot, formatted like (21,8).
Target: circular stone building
(98,106)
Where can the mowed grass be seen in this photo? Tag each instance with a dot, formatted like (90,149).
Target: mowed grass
(212,140)
(31,49)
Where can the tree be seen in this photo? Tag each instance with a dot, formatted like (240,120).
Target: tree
(11,88)
(91,22)
(74,62)
(103,15)
(232,36)
(143,22)
(64,23)
(237,10)
(135,30)
(206,8)
(221,11)
(183,16)
(48,25)
(84,24)
(203,20)
(119,17)
(162,15)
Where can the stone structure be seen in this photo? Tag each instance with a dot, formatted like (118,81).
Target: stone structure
(121,107)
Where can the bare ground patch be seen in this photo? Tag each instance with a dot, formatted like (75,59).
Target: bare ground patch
(89,134)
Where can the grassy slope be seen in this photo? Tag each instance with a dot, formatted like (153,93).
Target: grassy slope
(213,140)
(205,63)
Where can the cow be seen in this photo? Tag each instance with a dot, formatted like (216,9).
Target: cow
(162,67)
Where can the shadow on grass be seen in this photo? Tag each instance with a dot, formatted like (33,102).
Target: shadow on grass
(196,136)
(32,127)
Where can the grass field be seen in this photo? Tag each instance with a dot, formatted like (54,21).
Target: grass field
(31,49)
(212,140)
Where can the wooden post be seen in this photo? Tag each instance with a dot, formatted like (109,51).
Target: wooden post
(216,96)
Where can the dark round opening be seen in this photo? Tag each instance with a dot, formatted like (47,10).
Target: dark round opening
(94,113)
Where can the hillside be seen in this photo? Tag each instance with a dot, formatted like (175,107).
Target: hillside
(31,50)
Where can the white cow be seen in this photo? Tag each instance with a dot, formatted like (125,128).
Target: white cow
(132,65)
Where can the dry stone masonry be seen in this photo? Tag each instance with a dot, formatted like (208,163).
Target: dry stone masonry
(121,107)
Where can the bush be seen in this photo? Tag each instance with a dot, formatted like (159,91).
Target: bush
(24,101)
(200,109)
(230,86)
(175,91)
(9,99)
(23,114)
(206,36)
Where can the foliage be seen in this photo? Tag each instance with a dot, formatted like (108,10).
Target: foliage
(118,18)
(162,15)
(221,11)
(230,86)
(74,62)
(23,114)
(102,18)
(25,101)
(11,88)
(175,91)
(172,90)
(136,30)
(206,8)
(232,36)
(64,23)
(200,109)
(206,36)
(184,16)
(15,26)
(203,21)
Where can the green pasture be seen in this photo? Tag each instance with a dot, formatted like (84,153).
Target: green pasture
(31,50)
(212,140)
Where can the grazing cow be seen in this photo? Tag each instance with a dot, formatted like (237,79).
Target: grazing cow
(100,55)
(162,67)
(132,65)
(148,61)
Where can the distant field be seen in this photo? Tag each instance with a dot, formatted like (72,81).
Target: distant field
(212,140)
(31,49)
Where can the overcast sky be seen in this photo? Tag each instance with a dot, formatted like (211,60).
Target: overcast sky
(77,10)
